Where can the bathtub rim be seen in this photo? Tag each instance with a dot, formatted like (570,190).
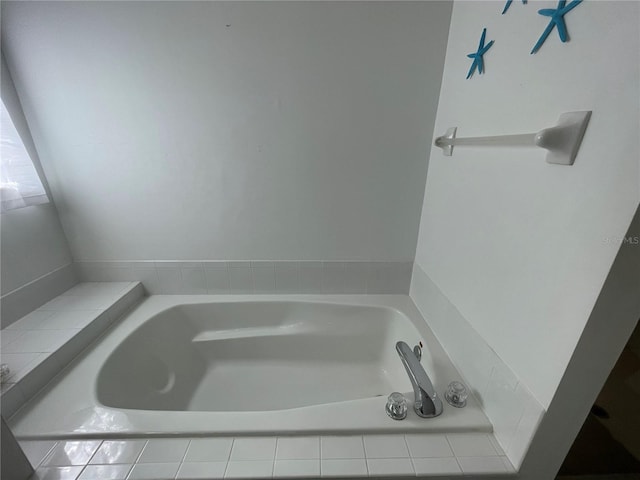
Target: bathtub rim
(25,426)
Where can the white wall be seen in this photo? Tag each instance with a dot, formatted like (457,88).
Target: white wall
(232,131)
(32,240)
(520,247)
(610,325)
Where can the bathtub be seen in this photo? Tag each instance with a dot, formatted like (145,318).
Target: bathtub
(230,365)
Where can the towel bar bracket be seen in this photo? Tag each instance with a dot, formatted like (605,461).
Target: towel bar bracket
(561,141)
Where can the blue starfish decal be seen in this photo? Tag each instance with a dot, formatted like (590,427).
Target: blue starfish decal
(508,4)
(557,20)
(477,56)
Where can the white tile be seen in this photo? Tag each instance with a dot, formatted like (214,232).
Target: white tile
(341,447)
(12,399)
(297,468)
(32,321)
(254,449)
(400,277)
(473,357)
(118,451)
(170,279)
(378,278)
(496,444)
(436,466)
(83,288)
(62,303)
(385,446)
(310,277)
(104,271)
(389,277)
(471,445)
(57,473)
(209,450)
(292,448)
(502,376)
(6,386)
(351,467)
(503,408)
(18,363)
(426,445)
(39,341)
(481,465)
(355,277)
(70,350)
(92,288)
(7,337)
(202,470)
(74,319)
(37,450)
(332,277)
(106,472)
(164,450)
(240,277)
(385,467)
(148,275)
(71,453)
(287,277)
(193,281)
(154,471)
(527,427)
(217,276)
(249,469)
(264,277)
(427,296)
(507,464)
(44,369)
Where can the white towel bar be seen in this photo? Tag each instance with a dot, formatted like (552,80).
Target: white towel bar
(561,141)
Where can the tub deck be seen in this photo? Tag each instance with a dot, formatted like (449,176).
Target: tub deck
(247,365)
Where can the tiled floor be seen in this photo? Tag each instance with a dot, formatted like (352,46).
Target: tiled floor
(268,457)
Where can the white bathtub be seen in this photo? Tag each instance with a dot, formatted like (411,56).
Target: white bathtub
(193,365)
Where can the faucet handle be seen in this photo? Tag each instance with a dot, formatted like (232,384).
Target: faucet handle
(417,351)
(396,406)
(456,394)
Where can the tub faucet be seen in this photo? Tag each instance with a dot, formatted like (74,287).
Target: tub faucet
(427,404)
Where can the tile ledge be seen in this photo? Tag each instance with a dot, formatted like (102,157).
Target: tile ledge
(115,304)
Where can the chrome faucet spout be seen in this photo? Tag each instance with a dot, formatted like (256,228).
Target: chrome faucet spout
(427,403)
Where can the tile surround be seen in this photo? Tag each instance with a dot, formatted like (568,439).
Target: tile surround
(341,447)
(209,449)
(202,470)
(118,451)
(39,345)
(18,303)
(385,446)
(293,448)
(511,407)
(257,277)
(165,450)
(257,457)
(262,457)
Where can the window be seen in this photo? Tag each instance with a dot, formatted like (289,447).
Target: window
(20,185)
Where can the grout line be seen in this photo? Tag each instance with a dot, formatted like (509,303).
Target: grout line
(406,444)
(460,466)
(184,455)
(53,272)
(93,454)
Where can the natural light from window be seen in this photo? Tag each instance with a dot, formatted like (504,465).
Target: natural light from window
(20,185)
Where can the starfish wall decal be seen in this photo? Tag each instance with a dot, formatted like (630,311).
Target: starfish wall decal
(477,56)
(557,20)
(508,4)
